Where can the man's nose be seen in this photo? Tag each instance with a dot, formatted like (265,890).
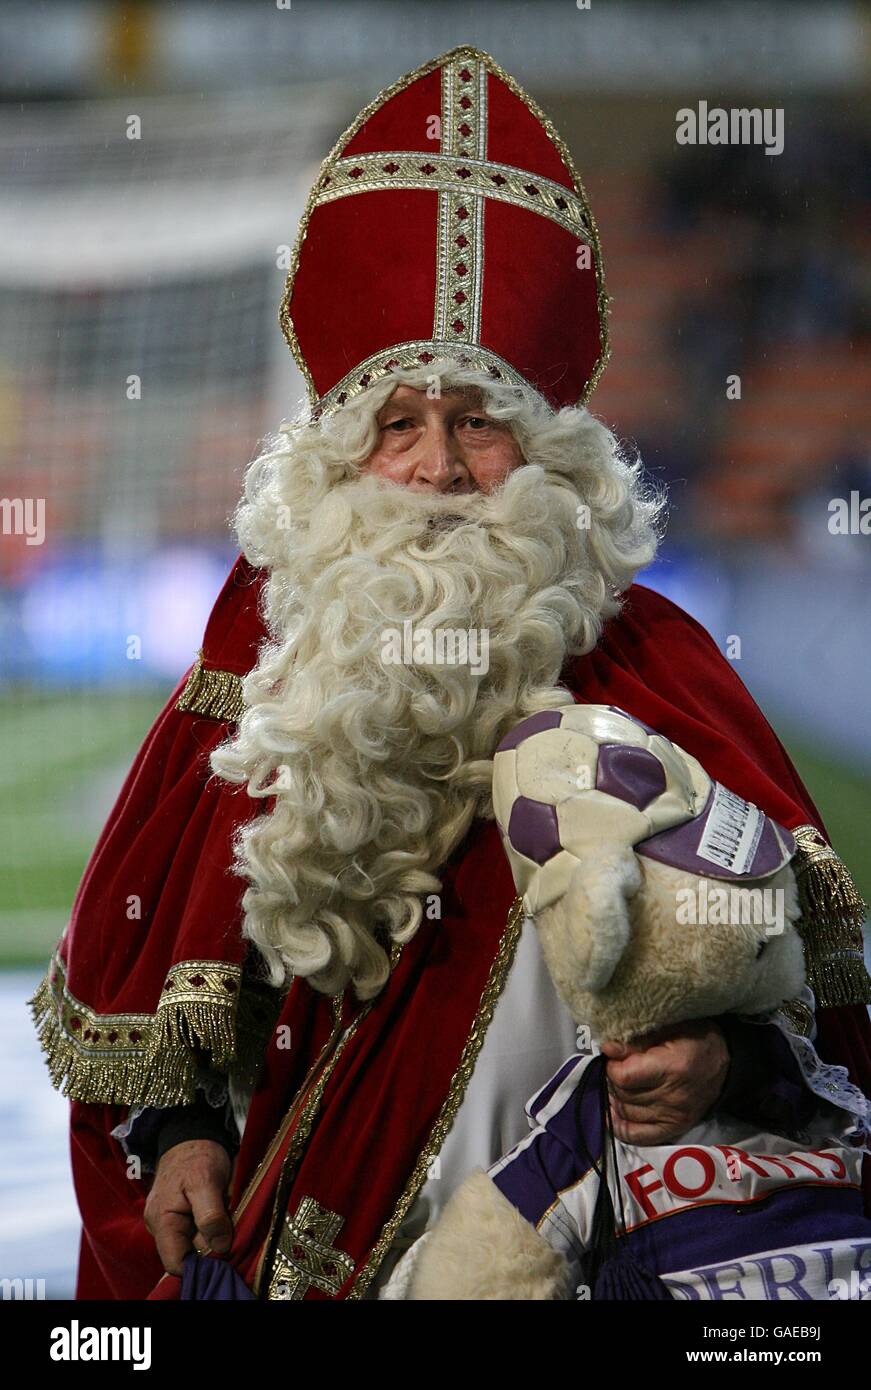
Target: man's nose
(441,464)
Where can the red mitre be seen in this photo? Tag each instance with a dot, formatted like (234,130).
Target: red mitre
(448,221)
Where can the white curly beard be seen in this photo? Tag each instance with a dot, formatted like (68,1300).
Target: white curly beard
(378,769)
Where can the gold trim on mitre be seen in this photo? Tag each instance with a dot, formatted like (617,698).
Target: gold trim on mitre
(413,355)
(503,182)
(337,179)
(832,917)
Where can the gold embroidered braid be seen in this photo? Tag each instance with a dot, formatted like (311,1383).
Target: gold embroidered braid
(459,269)
(297,1145)
(833,914)
(139,1059)
(465,178)
(414,355)
(306,1255)
(460,240)
(278,1137)
(456,1091)
(464,105)
(216,694)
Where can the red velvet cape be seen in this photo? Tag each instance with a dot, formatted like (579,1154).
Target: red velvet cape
(361,1119)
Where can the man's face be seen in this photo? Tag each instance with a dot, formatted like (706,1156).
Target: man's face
(447,445)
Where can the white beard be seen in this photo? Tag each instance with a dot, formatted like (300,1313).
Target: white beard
(377,769)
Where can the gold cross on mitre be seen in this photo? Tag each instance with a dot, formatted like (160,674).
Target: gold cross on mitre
(306,1257)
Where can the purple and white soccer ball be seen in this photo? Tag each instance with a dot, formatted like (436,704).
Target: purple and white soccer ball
(575,783)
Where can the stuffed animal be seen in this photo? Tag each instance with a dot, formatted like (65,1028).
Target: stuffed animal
(659,897)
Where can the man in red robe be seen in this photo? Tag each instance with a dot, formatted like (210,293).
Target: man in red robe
(298,924)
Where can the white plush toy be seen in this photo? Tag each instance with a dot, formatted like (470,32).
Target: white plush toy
(659,897)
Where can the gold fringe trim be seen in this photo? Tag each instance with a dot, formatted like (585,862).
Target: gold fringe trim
(216,694)
(139,1059)
(460,1080)
(832,917)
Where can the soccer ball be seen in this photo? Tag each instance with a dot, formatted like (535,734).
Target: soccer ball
(571,783)
(578,783)
(609,827)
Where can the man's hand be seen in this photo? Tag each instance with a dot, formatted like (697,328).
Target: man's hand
(665,1083)
(187,1205)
